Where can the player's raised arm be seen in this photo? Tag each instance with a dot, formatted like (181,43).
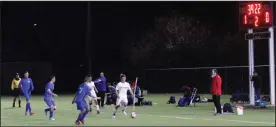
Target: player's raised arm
(98,80)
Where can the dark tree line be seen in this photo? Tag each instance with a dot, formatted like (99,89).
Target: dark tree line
(178,40)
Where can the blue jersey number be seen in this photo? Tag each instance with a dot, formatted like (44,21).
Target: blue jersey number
(80,90)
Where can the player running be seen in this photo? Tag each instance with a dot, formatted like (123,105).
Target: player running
(26,85)
(121,93)
(94,97)
(79,99)
(48,97)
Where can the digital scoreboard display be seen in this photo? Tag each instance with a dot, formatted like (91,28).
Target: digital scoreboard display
(256,14)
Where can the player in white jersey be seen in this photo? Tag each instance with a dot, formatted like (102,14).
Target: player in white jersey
(121,93)
(94,96)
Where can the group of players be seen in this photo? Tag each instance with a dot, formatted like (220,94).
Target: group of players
(87,88)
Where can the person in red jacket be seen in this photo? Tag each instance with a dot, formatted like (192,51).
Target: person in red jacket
(216,90)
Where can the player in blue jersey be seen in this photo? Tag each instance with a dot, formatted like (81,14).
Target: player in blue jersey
(79,99)
(26,85)
(48,97)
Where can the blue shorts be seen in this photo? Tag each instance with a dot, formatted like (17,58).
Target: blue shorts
(82,105)
(27,95)
(49,102)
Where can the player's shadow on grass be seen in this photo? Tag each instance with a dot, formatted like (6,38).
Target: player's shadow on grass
(10,108)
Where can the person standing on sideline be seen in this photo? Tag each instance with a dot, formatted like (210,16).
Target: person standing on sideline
(256,79)
(101,87)
(16,90)
(216,90)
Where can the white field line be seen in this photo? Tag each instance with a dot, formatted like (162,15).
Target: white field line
(238,121)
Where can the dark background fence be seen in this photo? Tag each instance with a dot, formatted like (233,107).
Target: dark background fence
(234,78)
(69,77)
(155,81)
(39,72)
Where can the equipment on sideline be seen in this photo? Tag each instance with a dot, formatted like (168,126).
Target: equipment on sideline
(193,97)
(172,100)
(227,108)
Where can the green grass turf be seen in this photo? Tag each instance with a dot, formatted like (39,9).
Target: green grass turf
(160,114)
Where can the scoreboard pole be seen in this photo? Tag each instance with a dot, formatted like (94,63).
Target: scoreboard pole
(251,68)
(1,44)
(272,66)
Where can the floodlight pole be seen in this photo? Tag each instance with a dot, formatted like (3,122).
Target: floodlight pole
(88,34)
(251,68)
(272,66)
(0,44)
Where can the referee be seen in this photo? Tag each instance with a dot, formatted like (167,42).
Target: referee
(16,90)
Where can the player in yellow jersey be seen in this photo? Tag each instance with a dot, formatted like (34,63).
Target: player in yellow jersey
(16,90)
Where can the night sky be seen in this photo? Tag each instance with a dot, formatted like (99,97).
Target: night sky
(60,34)
(62,27)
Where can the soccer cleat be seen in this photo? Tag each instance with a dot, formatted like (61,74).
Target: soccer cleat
(125,113)
(32,113)
(45,112)
(90,110)
(113,117)
(217,114)
(51,119)
(19,103)
(98,112)
(82,121)
(77,123)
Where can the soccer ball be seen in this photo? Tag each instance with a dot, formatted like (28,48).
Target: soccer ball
(133,115)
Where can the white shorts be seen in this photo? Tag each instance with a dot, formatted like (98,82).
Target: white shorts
(94,96)
(121,100)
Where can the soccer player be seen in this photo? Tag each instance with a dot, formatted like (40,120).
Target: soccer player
(101,87)
(121,93)
(16,90)
(94,97)
(48,97)
(79,99)
(26,85)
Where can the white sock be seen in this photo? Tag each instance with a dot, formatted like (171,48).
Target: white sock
(123,108)
(114,111)
(98,108)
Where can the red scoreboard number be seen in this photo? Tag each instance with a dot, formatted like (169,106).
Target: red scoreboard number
(256,14)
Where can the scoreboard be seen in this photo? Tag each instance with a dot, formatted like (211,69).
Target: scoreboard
(256,14)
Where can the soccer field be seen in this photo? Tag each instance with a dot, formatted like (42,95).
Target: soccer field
(160,114)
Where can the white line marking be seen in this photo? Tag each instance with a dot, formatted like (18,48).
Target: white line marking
(176,117)
(238,121)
